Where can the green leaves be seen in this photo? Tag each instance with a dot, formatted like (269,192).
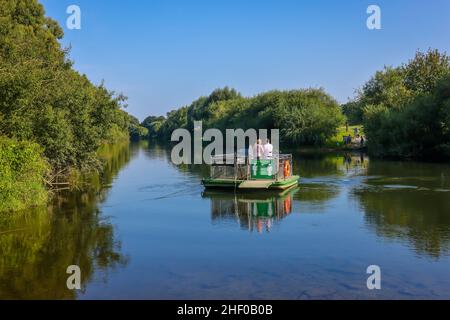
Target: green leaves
(22,168)
(404,108)
(305,117)
(43,99)
(418,130)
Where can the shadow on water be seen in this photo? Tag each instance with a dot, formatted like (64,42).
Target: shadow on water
(38,245)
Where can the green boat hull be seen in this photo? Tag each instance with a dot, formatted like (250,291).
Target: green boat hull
(228,183)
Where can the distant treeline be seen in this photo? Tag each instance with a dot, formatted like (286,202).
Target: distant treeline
(405,111)
(52,118)
(304,117)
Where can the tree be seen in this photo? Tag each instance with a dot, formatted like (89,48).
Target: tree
(200,109)
(305,117)
(153,125)
(424,72)
(43,99)
(404,113)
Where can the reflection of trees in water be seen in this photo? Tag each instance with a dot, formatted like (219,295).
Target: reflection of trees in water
(409,201)
(157,150)
(424,175)
(329,164)
(37,246)
(160,151)
(252,211)
(323,174)
(421,218)
(316,194)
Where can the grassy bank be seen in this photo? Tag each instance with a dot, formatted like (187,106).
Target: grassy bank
(22,172)
(337,141)
(26,176)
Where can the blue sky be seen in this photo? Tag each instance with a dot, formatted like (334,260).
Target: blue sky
(163,54)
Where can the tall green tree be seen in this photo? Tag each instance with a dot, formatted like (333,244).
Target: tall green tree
(406,108)
(43,99)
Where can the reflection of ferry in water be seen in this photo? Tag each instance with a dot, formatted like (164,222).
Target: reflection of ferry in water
(252,210)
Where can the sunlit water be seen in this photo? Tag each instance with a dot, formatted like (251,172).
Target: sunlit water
(147,229)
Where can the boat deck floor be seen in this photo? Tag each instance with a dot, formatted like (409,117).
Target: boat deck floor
(251,184)
(256,184)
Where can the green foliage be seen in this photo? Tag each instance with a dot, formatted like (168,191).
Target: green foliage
(175,119)
(338,139)
(353,112)
(201,108)
(135,129)
(306,117)
(404,109)
(43,99)
(418,130)
(386,87)
(153,124)
(22,168)
(425,71)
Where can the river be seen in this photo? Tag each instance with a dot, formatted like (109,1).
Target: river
(146,229)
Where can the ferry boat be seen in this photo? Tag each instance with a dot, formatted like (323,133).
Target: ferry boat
(242,172)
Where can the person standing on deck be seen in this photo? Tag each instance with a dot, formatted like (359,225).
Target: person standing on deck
(258,150)
(268,150)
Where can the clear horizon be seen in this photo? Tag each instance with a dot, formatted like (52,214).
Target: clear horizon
(165,54)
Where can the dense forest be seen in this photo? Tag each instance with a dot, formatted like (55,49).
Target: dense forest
(405,112)
(52,118)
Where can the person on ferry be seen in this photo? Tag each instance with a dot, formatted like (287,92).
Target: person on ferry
(258,150)
(268,150)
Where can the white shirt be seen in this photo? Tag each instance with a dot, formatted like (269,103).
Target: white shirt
(258,150)
(268,150)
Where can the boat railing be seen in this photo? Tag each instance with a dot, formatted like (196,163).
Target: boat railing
(282,159)
(238,167)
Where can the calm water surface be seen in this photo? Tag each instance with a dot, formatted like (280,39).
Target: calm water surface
(147,230)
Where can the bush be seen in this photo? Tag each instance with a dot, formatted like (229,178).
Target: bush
(406,109)
(308,117)
(420,129)
(22,171)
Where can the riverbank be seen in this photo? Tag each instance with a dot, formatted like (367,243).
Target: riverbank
(27,179)
(22,175)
